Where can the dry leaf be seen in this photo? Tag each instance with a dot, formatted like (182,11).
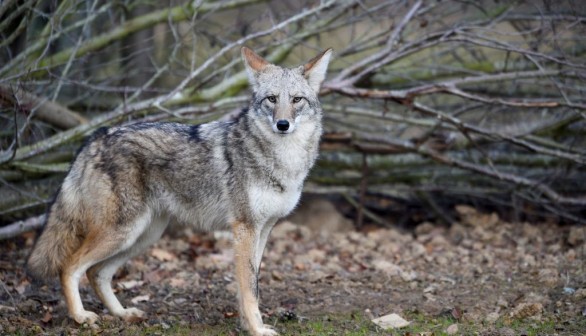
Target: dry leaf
(457,313)
(177,282)
(130,284)
(47,317)
(526,310)
(154,276)
(140,298)
(277,275)
(230,314)
(163,255)
(22,286)
(299,267)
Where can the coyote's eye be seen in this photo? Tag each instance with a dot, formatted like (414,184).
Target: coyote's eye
(297,99)
(272,99)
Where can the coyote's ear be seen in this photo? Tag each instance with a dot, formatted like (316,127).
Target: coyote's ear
(253,63)
(315,70)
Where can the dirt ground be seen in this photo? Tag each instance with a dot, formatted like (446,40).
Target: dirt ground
(481,270)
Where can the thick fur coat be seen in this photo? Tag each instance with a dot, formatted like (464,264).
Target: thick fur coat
(128,182)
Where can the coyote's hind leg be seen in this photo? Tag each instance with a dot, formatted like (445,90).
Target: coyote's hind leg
(100,275)
(95,248)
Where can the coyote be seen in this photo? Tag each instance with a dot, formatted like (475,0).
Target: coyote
(127,182)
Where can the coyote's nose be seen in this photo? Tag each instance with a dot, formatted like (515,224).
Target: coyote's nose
(282,125)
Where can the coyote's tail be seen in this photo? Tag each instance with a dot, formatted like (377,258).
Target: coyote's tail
(56,244)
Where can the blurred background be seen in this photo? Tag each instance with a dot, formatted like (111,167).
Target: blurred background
(428,105)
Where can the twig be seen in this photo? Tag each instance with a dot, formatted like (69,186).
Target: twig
(178,14)
(367,212)
(363,187)
(343,75)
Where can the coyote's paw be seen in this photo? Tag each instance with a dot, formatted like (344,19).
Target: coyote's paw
(133,315)
(86,316)
(265,331)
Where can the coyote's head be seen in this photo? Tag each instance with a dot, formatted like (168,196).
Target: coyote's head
(287,97)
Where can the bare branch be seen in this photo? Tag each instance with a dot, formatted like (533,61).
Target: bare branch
(20,227)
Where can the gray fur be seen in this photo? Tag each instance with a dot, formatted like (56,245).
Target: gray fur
(244,174)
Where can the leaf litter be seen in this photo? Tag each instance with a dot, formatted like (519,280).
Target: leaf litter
(479,270)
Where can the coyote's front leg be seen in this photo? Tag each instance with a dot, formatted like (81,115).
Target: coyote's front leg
(247,249)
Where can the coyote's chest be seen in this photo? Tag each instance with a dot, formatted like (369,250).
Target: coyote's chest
(269,203)
(277,194)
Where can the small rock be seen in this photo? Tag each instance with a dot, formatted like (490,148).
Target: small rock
(452,329)
(391,321)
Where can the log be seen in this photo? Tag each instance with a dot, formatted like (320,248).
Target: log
(44,110)
(17,228)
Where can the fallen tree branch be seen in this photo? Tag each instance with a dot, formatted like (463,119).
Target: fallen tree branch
(45,110)
(20,227)
(174,14)
(545,190)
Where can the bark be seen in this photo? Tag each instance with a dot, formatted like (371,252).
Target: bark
(19,227)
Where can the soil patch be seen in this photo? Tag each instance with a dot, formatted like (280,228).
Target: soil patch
(480,270)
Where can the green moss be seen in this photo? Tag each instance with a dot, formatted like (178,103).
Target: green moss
(345,324)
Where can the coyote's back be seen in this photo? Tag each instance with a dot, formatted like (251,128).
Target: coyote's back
(127,182)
